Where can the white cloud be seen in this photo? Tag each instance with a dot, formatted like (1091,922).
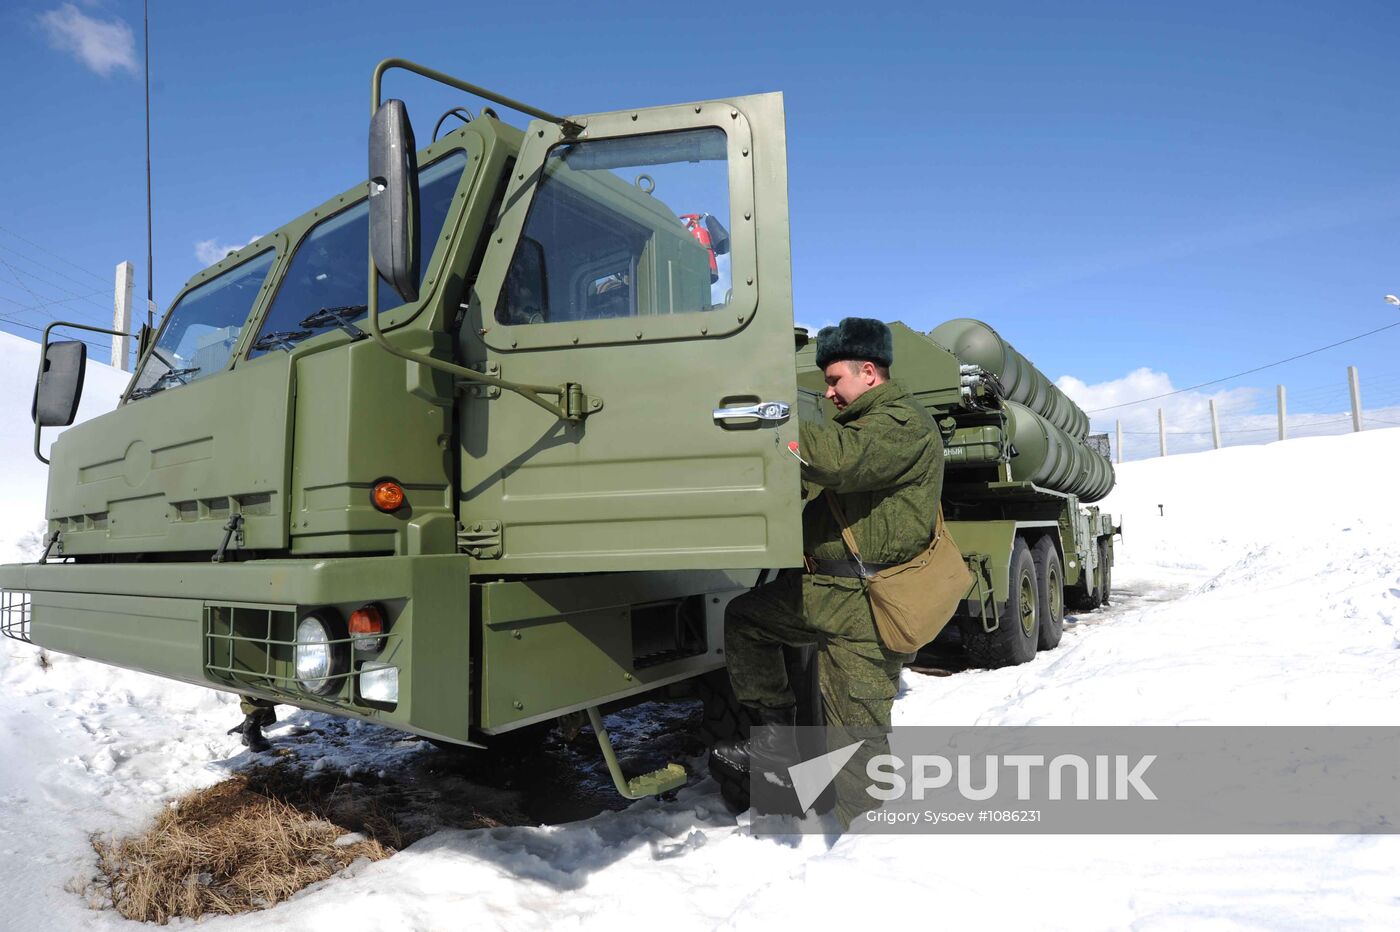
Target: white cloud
(103,45)
(1246,415)
(210,251)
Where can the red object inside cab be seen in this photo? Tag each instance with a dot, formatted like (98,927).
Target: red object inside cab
(697,225)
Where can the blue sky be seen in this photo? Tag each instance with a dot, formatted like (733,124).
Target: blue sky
(1195,188)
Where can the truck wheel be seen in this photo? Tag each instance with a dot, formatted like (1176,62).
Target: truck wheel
(1089,597)
(1051,595)
(1105,570)
(1015,638)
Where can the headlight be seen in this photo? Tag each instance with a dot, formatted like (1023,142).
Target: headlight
(379,682)
(318,661)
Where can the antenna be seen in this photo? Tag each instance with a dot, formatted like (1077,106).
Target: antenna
(150,255)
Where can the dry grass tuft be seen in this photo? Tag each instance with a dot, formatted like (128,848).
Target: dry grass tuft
(244,844)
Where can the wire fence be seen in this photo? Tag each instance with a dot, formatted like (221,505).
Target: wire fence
(1253,416)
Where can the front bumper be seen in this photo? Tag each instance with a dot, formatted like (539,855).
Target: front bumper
(158,618)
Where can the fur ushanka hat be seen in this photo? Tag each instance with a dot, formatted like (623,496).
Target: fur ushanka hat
(855,338)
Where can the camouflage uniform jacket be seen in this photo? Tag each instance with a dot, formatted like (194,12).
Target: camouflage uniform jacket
(883,457)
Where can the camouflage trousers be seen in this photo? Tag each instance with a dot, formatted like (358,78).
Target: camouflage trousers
(265,710)
(858,676)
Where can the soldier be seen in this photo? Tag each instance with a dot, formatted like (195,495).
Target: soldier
(883,458)
(257,715)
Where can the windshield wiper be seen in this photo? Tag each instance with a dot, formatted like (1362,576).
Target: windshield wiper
(280,339)
(176,376)
(337,317)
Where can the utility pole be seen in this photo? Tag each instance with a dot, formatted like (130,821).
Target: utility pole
(121,316)
(1118,429)
(1355,383)
(1162,431)
(1214,424)
(1282,414)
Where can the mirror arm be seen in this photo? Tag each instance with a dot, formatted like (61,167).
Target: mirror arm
(44,355)
(573,404)
(569,127)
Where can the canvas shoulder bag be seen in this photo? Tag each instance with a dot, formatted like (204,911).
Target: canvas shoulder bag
(913,601)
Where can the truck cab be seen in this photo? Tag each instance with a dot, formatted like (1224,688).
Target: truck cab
(525,487)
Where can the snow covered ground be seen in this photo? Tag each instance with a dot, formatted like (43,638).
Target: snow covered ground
(1265,591)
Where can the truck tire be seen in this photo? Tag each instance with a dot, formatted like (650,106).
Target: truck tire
(1088,598)
(1016,636)
(1105,570)
(1050,575)
(725,717)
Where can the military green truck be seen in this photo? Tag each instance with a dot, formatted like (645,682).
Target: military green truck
(525,488)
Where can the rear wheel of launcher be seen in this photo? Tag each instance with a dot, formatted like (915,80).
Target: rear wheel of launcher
(1017,633)
(1050,577)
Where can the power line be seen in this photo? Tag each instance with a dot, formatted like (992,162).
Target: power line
(1237,375)
(52,253)
(89,297)
(48,268)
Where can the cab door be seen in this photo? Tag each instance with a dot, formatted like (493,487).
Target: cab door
(643,255)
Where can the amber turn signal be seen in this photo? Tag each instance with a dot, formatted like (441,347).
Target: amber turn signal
(367,619)
(387,495)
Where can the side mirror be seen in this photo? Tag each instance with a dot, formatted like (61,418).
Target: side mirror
(60,384)
(393,198)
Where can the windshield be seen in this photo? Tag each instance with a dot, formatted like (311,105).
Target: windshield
(202,327)
(325,283)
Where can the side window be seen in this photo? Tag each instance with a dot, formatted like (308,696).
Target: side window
(624,227)
(328,268)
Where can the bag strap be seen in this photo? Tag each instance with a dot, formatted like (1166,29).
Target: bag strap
(846,534)
(850,538)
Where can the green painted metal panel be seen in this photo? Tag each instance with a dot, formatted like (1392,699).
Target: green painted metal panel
(650,481)
(155,635)
(533,630)
(993,539)
(357,421)
(164,473)
(151,618)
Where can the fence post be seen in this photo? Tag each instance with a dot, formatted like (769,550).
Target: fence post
(1162,431)
(1118,428)
(1282,414)
(121,316)
(1355,383)
(1214,425)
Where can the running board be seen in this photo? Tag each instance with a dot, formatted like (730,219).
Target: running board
(667,779)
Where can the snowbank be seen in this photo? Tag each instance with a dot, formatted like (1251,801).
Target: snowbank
(1264,592)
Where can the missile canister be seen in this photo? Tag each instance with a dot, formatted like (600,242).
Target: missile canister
(976,343)
(1051,458)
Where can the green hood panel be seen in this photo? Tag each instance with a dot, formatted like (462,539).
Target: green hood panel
(164,473)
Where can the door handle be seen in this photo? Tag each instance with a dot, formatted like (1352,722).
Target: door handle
(768,412)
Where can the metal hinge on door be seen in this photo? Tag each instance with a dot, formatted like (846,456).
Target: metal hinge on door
(478,390)
(480,539)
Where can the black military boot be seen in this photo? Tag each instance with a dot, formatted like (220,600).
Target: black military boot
(770,751)
(250,729)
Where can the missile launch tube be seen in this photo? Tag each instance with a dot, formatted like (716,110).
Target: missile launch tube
(1052,459)
(977,344)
